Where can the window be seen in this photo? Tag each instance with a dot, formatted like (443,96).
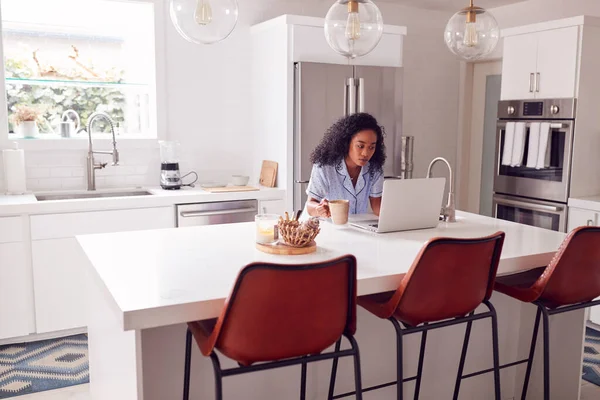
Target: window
(80,55)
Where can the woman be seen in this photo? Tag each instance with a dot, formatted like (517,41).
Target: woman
(348,164)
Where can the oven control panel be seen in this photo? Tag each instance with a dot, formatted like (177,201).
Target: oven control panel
(533,108)
(537,109)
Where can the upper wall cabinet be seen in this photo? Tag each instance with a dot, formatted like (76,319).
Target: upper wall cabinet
(540,65)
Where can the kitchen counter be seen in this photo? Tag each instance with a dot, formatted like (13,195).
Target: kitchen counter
(586,203)
(196,267)
(150,283)
(28,204)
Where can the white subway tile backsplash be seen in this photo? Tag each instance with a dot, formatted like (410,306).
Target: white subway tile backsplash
(60,172)
(59,169)
(38,172)
(73,183)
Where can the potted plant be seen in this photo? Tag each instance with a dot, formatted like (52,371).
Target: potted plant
(25,120)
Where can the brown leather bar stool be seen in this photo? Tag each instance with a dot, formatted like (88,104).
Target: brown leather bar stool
(570,282)
(448,280)
(278,316)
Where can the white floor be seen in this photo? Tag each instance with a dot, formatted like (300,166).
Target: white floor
(79,392)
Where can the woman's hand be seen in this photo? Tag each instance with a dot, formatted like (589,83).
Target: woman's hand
(323,209)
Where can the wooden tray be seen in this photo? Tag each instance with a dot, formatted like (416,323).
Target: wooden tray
(284,250)
(227,189)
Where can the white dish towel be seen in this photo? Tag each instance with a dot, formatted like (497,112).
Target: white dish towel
(534,145)
(543,159)
(509,140)
(519,145)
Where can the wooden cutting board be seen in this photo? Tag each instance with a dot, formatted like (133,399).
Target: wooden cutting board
(228,189)
(268,173)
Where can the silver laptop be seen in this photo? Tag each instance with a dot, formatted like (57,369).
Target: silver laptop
(407,204)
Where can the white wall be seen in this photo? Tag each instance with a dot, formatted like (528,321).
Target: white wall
(534,11)
(208,92)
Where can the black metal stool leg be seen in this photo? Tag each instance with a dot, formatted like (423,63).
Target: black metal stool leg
(399,372)
(218,376)
(495,350)
(463,357)
(188,361)
(357,374)
(546,331)
(303,382)
(420,365)
(536,325)
(334,371)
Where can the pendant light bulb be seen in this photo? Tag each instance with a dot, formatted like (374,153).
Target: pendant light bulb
(353,28)
(203,12)
(472,33)
(353,21)
(470,38)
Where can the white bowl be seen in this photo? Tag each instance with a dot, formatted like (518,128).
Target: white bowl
(239,180)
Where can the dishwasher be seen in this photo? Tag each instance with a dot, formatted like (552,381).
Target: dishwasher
(223,212)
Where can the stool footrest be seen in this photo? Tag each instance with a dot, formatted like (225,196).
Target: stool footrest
(383,385)
(485,371)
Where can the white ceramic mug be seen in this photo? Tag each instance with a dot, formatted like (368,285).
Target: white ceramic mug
(339,210)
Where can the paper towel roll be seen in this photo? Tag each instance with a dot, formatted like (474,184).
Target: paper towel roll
(14,170)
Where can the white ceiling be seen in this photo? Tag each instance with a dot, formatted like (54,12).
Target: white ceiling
(450,5)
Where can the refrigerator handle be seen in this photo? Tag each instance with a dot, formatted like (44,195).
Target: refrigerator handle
(346,98)
(361,95)
(351,85)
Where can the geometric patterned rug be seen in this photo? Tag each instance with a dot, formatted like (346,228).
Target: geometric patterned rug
(45,365)
(591,356)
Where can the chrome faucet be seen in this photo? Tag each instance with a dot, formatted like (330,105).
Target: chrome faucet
(92,166)
(449,211)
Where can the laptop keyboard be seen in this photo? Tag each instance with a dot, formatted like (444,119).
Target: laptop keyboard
(374,225)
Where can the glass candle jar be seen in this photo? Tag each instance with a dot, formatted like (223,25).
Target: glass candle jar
(266,228)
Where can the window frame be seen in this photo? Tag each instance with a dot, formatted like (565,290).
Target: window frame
(157,107)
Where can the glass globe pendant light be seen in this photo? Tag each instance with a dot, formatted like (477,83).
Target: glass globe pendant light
(353,28)
(472,33)
(204,21)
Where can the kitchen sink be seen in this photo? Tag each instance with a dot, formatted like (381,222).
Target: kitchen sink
(90,195)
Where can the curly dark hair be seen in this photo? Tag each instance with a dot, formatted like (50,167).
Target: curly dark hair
(335,145)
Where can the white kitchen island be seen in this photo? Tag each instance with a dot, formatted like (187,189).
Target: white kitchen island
(144,286)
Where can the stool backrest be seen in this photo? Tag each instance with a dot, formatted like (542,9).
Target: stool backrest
(281,311)
(449,278)
(573,275)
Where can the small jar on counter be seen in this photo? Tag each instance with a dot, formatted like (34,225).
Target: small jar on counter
(266,228)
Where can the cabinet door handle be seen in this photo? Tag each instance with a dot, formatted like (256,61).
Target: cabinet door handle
(531,82)
(537,82)
(590,222)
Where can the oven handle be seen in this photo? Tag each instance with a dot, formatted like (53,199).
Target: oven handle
(527,124)
(529,206)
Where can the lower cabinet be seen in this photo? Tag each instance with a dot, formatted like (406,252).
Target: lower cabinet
(272,207)
(60,300)
(16,291)
(60,265)
(581,217)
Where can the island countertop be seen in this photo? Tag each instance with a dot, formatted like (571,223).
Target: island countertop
(168,276)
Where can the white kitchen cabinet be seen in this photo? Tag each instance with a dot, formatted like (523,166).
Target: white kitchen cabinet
(518,67)
(557,63)
(59,264)
(581,217)
(272,207)
(541,65)
(16,291)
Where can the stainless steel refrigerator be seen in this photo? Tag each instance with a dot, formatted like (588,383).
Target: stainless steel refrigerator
(325,92)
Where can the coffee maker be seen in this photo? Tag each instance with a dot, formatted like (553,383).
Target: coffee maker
(170,176)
